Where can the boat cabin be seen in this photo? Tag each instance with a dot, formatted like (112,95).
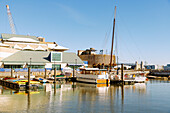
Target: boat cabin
(93,71)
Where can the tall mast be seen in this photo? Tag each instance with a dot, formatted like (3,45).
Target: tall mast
(10,20)
(112,39)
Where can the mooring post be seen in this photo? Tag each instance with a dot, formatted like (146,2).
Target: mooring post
(29,72)
(45,73)
(54,88)
(73,71)
(11,72)
(54,75)
(122,74)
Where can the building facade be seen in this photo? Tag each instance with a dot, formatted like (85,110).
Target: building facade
(21,51)
(94,59)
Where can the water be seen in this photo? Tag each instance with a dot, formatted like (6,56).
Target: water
(150,97)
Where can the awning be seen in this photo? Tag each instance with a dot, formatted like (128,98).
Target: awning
(17,47)
(75,64)
(28,48)
(13,63)
(59,48)
(22,39)
(4,45)
(34,63)
(39,48)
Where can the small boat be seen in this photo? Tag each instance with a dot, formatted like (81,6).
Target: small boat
(140,77)
(93,75)
(43,80)
(61,76)
(6,78)
(23,82)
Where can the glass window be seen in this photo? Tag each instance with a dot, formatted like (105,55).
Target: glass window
(37,66)
(13,66)
(57,66)
(56,56)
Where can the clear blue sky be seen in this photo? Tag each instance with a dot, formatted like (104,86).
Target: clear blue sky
(142,26)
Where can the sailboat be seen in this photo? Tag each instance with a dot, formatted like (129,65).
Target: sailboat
(135,78)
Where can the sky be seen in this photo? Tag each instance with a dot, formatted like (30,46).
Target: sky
(141,33)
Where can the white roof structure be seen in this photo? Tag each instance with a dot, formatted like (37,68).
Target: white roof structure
(60,48)
(51,45)
(17,47)
(39,48)
(22,39)
(28,48)
(4,45)
(90,69)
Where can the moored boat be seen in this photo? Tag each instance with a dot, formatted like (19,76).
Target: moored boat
(93,75)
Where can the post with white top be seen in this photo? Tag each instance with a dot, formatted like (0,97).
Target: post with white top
(45,73)
(11,72)
(122,74)
(28,84)
(54,74)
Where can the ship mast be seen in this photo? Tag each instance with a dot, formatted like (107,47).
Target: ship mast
(112,40)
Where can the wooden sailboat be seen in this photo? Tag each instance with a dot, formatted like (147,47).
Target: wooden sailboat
(134,78)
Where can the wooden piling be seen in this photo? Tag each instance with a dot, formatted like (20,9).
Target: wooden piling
(54,88)
(54,75)
(11,72)
(122,74)
(45,73)
(73,71)
(29,71)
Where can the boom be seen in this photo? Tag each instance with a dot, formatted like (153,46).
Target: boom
(10,20)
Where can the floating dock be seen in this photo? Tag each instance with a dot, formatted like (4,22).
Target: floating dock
(16,86)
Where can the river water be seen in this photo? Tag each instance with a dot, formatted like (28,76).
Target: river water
(150,97)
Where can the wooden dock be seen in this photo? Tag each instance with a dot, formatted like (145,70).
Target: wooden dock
(9,84)
(16,86)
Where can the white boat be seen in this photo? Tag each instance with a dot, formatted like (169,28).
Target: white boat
(137,77)
(93,75)
(140,77)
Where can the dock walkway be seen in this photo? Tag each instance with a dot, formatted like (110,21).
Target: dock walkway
(16,86)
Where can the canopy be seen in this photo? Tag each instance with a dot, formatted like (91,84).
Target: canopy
(4,45)
(28,48)
(21,39)
(59,48)
(17,47)
(39,48)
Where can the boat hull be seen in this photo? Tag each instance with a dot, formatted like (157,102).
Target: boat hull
(94,79)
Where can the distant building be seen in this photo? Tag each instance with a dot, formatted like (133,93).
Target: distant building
(21,51)
(151,67)
(154,67)
(94,59)
(167,67)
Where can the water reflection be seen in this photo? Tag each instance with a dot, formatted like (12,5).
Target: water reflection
(76,97)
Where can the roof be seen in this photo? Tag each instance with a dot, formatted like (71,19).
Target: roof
(14,37)
(39,48)
(59,48)
(71,58)
(17,47)
(28,48)
(40,57)
(4,45)
(24,57)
